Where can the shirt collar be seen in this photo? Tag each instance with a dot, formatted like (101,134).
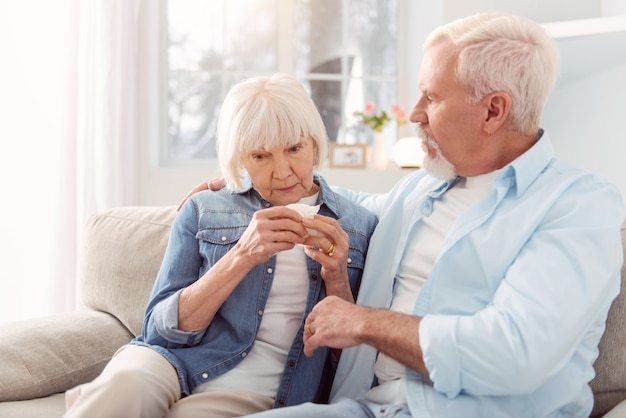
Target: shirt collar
(519,173)
(523,171)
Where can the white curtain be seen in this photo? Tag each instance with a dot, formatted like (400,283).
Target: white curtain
(68,107)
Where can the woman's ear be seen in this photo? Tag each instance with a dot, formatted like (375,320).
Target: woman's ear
(498,108)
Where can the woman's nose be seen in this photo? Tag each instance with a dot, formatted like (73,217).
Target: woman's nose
(282,167)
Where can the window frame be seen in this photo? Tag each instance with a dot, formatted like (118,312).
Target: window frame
(153,66)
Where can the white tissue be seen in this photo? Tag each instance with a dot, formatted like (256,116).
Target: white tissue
(305,210)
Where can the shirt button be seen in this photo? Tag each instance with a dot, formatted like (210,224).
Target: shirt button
(314,277)
(244,354)
(223,239)
(205,375)
(281,402)
(292,363)
(349,260)
(260,312)
(270,270)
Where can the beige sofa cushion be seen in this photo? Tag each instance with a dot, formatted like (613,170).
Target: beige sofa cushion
(52,406)
(609,385)
(42,356)
(122,252)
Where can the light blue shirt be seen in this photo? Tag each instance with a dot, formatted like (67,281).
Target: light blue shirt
(517,299)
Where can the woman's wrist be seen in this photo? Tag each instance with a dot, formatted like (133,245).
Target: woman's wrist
(340,288)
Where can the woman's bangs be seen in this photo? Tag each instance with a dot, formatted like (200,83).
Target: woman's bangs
(278,130)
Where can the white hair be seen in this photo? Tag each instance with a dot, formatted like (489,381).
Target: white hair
(262,113)
(502,52)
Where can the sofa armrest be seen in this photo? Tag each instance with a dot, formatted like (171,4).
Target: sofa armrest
(42,356)
(619,411)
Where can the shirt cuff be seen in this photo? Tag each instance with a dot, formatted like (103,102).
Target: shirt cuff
(439,344)
(166,321)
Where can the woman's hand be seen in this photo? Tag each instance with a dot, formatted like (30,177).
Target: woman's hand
(330,249)
(271,231)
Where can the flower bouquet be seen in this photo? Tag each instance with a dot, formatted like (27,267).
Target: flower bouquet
(377,119)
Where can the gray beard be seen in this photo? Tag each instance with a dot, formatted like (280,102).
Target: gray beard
(439,167)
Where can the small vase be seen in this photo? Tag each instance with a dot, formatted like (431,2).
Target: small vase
(378,155)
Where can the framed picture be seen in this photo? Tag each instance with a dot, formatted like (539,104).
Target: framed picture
(348,155)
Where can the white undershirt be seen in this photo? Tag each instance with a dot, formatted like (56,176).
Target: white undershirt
(417,261)
(262,368)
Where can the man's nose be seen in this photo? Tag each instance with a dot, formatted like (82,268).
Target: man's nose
(418,113)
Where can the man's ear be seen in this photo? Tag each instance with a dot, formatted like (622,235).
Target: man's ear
(498,105)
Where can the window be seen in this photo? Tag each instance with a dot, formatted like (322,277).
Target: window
(344,51)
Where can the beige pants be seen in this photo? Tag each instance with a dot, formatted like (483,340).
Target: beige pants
(139,382)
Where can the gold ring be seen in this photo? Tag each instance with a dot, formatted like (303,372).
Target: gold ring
(331,250)
(309,330)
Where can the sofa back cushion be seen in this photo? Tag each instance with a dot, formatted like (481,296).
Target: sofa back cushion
(121,254)
(609,385)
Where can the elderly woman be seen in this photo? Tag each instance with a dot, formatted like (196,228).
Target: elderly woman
(223,329)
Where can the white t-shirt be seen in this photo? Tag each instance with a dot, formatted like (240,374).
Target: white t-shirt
(417,261)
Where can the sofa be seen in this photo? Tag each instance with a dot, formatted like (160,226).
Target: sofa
(119,259)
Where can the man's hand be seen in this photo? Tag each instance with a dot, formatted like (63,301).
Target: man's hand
(336,323)
(333,322)
(213,184)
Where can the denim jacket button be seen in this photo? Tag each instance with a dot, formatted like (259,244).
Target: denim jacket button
(269,270)
(260,312)
(205,375)
(223,238)
(349,260)
(244,354)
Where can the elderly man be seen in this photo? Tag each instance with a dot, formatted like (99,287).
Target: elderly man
(491,272)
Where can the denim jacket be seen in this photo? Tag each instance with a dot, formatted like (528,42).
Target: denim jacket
(208,225)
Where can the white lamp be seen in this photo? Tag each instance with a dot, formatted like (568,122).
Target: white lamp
(408,153)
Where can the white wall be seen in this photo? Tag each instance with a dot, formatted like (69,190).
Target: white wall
(539,10)
(586,114)
(586,120)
